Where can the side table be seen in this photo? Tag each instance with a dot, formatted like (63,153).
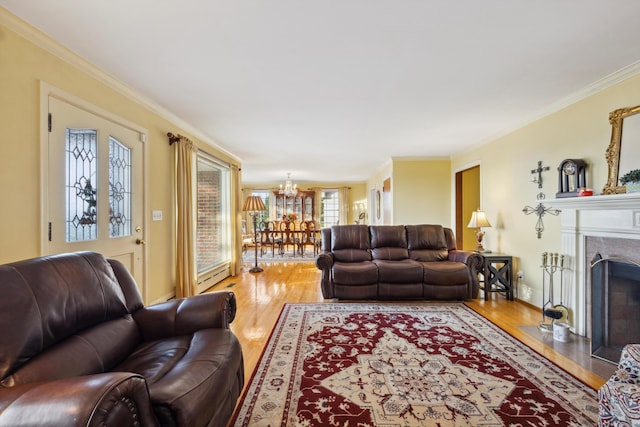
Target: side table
(497,274)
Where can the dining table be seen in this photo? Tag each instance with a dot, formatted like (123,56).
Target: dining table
(282,240)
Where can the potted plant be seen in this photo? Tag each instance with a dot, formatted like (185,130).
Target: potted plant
(631,180)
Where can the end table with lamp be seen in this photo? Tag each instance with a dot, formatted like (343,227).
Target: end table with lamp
(497,271)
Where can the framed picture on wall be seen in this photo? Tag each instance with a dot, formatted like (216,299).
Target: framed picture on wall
(378,203)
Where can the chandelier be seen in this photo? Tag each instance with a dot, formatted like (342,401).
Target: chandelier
(289,189)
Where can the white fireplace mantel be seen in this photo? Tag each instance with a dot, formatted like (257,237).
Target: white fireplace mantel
(613,201)
(605,216)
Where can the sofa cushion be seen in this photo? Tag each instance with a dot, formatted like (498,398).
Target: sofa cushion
(52,298)
(350,243)
(354,273)
(362,292)
(445,273)
(389,242)
(92,351)
(394,291)
(188,376)
(402,271)
(427,242)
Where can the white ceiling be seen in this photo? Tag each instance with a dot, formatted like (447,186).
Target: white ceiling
(329,90)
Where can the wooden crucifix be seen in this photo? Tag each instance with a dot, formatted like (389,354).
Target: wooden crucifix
(539,171)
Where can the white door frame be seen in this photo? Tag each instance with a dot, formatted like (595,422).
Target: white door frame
(46,91)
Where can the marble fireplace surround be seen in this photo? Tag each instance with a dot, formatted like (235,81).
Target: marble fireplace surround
(613,216)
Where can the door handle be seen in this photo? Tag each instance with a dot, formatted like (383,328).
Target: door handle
(140,242)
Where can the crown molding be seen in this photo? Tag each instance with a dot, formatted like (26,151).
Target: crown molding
(606,82)
(43,41)
(631,70)
(418,158)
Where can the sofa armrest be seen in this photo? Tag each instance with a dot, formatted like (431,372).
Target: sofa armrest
(117,398)
(475,264)
(185,316)
(474,260)
(324,260)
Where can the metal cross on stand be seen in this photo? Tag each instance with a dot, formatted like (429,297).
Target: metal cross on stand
(540,210)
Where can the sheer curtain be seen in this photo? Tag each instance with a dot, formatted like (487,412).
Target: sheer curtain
(186,270)
(317,202)
(236,206)
(343,198)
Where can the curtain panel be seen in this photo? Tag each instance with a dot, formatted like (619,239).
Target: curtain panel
(236,206)
(343,198)
(185,267)
(318,204)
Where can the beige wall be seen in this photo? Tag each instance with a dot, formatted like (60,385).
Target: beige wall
(23,65)
(579,131)
(358,202)
(421,191)
(375,183)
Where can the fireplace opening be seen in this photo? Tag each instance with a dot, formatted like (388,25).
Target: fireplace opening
(615,306)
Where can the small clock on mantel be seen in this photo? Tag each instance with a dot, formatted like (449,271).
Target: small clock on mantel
(572,177)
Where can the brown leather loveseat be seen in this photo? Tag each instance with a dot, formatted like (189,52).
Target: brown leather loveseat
(78,348)
(396,262)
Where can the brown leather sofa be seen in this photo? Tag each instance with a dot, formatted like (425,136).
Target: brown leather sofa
(396,262)
(78,348)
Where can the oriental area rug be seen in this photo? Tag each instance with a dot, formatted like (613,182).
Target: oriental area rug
(423,364)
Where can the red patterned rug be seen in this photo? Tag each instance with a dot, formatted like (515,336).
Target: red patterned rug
(340,364)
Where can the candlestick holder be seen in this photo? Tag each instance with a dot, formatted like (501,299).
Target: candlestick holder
(552,263)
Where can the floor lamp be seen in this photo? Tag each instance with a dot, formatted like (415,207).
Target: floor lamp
(253,205)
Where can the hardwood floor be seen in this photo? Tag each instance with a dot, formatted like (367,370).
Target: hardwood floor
(261,296)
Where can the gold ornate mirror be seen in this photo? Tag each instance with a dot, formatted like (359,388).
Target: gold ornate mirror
(619,159)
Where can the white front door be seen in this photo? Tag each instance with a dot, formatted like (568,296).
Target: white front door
(95,187)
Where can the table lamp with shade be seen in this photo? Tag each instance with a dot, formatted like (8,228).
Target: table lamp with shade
(253,205)
(479,220)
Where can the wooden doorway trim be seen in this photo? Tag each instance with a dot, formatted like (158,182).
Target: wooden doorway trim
(459,223)
(467,199)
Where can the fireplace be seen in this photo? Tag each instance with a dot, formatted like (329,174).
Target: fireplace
(587,225)
(615,306)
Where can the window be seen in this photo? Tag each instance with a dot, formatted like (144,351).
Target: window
(263,215)
(81,155)
(82,186)
(119,189)
(213,240)
(330,208)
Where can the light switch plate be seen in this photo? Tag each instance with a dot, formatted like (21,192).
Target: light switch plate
(157,216)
